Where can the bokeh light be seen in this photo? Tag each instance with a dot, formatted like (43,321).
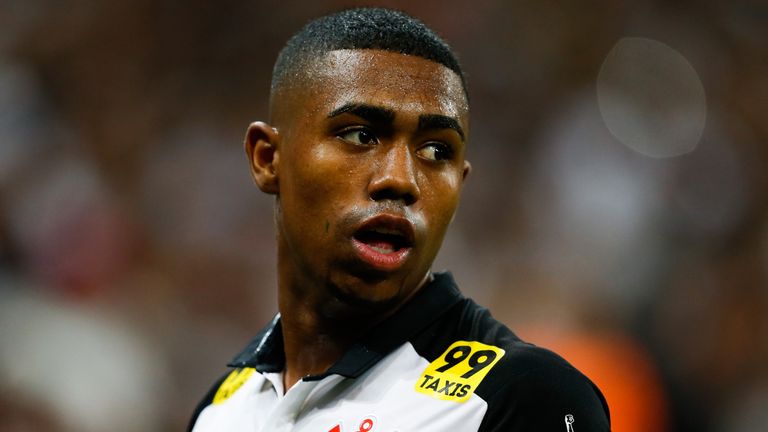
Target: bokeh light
(651,98)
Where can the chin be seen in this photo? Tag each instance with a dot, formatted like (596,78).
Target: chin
(367,294)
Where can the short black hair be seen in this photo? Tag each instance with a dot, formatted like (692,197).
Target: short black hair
(363,28)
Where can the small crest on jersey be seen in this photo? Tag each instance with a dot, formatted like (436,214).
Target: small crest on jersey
(569,423)
(232,383)
(456,374)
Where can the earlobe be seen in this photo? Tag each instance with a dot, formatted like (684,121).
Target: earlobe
(261,146)
(466,171)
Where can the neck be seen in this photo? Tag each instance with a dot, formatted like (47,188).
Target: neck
(312,343)
(319,328)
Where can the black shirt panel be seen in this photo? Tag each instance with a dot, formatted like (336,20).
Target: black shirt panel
(547,399)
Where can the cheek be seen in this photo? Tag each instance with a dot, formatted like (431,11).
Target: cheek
(318,179)
(441,198)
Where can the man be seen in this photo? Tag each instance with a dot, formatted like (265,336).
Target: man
(364,154)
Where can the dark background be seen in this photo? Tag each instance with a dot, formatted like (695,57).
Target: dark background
(136,255)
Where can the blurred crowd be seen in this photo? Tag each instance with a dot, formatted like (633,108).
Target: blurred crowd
(617,211)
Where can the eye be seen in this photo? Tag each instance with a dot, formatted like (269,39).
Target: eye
(359,136)
(435,151)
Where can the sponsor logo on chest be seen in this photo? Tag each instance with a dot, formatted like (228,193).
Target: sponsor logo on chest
(456,374)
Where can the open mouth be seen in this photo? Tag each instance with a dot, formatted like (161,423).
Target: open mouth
(384,242)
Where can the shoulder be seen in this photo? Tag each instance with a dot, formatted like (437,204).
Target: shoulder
(527,387)
(523,362)
(532,388)
(206,400)
(222,390)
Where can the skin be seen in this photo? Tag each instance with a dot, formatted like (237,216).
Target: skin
(365,133)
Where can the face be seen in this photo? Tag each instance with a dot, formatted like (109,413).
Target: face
(366,159)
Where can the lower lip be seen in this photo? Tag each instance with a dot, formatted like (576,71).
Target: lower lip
(381,261)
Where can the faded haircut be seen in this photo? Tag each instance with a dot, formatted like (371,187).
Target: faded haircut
(362,28)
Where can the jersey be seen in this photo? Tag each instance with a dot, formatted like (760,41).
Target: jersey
(441,363)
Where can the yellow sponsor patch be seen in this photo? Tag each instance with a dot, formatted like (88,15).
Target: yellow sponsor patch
(232,383)
(455,375)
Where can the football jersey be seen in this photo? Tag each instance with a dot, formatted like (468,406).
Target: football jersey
(440,363)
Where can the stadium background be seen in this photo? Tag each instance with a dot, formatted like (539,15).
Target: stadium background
(136,255)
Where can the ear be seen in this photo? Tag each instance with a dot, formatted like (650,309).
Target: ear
(466,171)
(261,146)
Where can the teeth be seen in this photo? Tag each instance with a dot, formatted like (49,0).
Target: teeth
(387,231)
(382,250)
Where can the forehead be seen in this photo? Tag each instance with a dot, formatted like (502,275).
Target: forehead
(406,84)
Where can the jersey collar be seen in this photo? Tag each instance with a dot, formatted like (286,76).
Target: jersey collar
(265,352)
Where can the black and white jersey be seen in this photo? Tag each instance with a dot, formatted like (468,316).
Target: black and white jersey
(441,363)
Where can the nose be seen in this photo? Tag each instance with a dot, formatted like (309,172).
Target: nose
(395,177)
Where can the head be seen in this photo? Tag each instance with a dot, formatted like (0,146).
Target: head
(364,153)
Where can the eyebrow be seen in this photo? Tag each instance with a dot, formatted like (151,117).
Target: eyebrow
(381,115)
(437,121)
(371,113)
